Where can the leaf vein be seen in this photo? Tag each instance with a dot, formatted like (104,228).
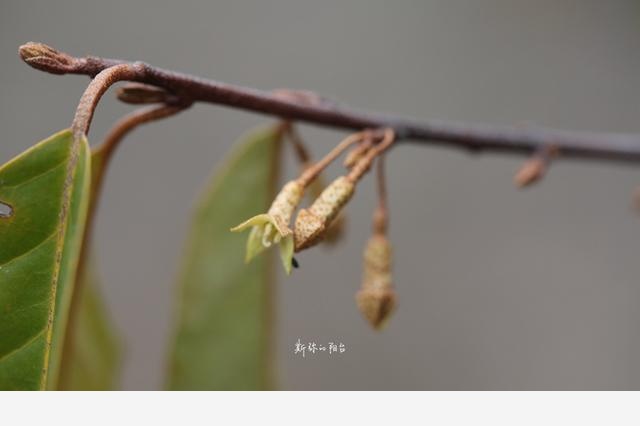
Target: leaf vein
(24,345)
(32,249)
(34,177)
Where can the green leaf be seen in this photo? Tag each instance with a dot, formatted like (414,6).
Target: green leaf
(225,331)
(92,352)
(93,361)
(47,187)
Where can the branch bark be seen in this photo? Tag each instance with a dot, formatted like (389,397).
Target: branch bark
(311,108)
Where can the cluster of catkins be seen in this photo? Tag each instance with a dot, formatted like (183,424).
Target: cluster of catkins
(376,298)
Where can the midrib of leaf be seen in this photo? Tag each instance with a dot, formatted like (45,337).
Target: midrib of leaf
(24,345)
(41,254)
(88,325)
(66,201)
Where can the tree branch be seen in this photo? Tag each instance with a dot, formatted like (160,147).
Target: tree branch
(310,108)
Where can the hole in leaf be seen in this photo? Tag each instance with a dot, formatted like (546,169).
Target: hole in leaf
(5,210)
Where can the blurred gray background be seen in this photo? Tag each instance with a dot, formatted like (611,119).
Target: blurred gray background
(498,289)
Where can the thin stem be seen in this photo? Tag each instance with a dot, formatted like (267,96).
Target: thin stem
(356,153)
(311,172)
(317,110)
(363,165)
(105,151)
(299,148)
(381,214)
(122,128)
(94,91)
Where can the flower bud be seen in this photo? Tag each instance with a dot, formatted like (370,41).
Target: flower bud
(312,223)
(45,58)
(137,93)
(376,299)
(530,172)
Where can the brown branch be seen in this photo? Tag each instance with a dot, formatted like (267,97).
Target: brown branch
(317,110)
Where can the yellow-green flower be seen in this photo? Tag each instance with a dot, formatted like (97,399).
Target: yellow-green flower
(273,227)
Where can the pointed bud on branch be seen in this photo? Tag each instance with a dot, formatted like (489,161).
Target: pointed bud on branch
(45,58)
(138,93)
(535,167)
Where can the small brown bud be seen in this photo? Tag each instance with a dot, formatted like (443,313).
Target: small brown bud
(138,93)
(530,172)
(376,299)
(312,223)
(45,58)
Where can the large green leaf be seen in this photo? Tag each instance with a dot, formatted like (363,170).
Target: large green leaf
(91,357)
(224,328)
(47,188)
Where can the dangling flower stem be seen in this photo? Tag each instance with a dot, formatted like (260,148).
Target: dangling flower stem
(299,148)
(363,165)
(312,172)
(381,214)
(335,232)
(356,153)
(376,298)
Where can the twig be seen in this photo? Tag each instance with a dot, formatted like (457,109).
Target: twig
(475,137)
(94,91)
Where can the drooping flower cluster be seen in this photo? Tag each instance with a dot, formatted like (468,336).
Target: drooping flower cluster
(376,298)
